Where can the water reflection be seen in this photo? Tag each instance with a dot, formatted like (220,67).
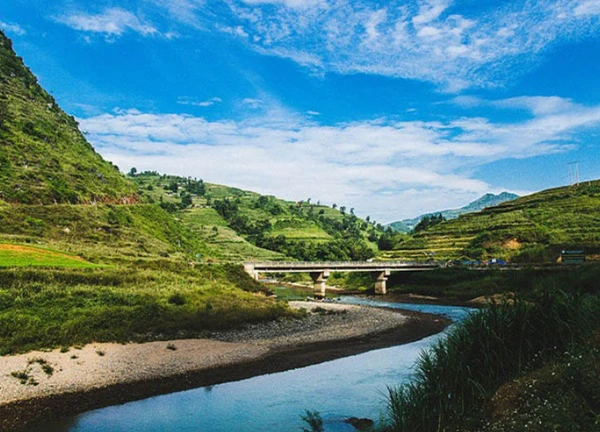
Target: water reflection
(348,387)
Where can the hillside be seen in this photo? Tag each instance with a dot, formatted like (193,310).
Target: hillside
(82,259)
(44,158)
(532,228)
(241,225)
(488,200)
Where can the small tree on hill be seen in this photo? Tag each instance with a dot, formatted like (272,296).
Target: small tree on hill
(429,221)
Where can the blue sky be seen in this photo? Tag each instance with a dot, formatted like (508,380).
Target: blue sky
(391,107)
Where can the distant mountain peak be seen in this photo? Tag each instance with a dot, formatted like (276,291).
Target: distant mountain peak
(487,200)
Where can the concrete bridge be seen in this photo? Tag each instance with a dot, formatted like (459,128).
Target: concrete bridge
(320,271)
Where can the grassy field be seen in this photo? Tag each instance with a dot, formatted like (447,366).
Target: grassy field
(151,300)
(13,255)
(533,228)
(464,284)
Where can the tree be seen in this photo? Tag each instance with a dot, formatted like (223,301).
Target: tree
(334,206)
(429,221)
(186,200)
(132,172)
(343,209)
(173,186)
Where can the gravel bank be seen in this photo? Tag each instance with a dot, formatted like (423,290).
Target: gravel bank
(43,385)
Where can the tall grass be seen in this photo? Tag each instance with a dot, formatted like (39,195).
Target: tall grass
(455,378)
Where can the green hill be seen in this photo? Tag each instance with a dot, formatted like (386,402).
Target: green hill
(488,200)
(81,258)
(532,228)
(241,225)
(44,158)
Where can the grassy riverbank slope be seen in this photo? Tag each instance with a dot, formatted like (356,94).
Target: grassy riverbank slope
(514,367)
(151,300)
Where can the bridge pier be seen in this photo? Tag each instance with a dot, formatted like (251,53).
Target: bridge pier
(319,281)
(380,282)
(249,268)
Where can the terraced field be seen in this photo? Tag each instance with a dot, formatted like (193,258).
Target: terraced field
(237,225)
(531,228)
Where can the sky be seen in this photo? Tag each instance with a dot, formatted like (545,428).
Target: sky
(393,108)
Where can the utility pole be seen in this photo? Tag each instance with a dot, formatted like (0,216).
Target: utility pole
(573,173)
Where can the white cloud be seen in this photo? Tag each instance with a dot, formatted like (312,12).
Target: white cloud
(12,28)
(112,22)
(428,40)
(294,4)
(374,166)
(194,102)
(252,103)
(587,8)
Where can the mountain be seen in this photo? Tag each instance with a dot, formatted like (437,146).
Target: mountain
(488,200)
(44,158)
(531,228)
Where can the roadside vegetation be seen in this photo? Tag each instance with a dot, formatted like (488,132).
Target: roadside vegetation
(466,284)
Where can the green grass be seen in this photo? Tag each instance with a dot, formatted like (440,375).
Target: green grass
(563,395)
(66,307)
(12,255)
(101,233)
(463,284)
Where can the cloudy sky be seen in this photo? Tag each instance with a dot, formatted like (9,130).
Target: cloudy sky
(391,107)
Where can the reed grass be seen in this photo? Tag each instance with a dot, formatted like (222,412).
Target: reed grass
(459,373)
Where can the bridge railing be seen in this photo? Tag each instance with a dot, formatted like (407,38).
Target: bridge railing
(342,264)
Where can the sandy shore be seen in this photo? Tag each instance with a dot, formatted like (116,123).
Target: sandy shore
(47,385)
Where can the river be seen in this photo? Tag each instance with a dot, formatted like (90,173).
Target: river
(353,386)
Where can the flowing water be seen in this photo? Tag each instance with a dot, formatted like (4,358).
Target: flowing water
(353,386)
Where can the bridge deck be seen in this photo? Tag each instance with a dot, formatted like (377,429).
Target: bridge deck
(345,266)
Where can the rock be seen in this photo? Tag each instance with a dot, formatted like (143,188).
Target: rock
(361,424)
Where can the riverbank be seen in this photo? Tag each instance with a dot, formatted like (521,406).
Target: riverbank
(40,386)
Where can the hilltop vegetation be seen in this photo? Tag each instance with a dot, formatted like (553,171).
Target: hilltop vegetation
(238,224)
(533,228)
(44,158)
